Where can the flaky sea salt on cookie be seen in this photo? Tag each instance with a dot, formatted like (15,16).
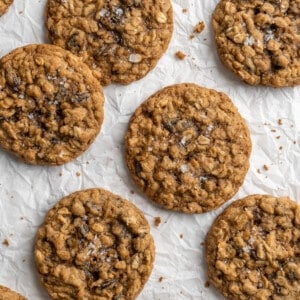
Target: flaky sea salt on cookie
(4,5)
(122,39)
(253,249)
(94,245)
(188,148)
(51,105)
(259,40)
(7,294)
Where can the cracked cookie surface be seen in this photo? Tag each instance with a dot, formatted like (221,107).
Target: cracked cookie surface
(259,40)
(4,5)
(8,294)
(253,249)
(188,148)
(51,105)
(94,245)
(123,39)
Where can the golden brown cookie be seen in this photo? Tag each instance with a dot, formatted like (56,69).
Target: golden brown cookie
(51,105)
(122,38)
(253,249)
(188,148)
(7,294)
(94,245)
(4,5)
(259,40)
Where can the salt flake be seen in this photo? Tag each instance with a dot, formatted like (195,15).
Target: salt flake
(184,168)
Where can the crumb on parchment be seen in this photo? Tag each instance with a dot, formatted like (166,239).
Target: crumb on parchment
(5,242)
(199,27)
(266,168)
(180,55)
(157,221)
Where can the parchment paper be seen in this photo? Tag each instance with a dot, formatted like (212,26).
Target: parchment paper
(27,192)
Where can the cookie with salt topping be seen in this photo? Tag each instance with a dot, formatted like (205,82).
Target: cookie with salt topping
(252,249)
(51,105)
(8,294)
(121,39)
(188,148)
(259,40)
(4,5)
(94,245)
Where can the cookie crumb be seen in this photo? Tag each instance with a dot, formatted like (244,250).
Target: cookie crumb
(180,55)
(5,242)
(191,36)
(202,243)
(157,221)
(207,284)
(258,171)
(160,279)
(273,130)
(184,10)
(23,260)
(60,174)
(132,192)
(181,235)
(294,142)
(279,122)
(199,27)
(78,174)
(278,137)
(21,218)
(266,168)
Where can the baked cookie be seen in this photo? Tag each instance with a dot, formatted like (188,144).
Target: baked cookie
(4,5)
(51,105)
(188,148)
(122,38)
(7,294)
(259,40)
(94,245)
(253,249)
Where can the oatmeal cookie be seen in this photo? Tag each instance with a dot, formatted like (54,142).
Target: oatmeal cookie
(94,245)
(7,294)
(122,38)
(188,148)
(259,40)
(4,5)
(51,105)
(253,249)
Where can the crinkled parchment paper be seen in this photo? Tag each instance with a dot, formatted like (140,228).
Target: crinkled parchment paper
(27,192)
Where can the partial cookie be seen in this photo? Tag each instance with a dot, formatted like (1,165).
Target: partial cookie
(4,5)
(7,294)
(94,245)
(253,249)
(188,148)
(259,40)
(51,105)
(124,39)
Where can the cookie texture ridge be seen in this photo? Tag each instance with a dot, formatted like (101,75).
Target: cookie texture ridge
(51,105)
(259,40)
(253,249)
(94,245)
(188,148)
(4,5)
(124,39)
(7,294)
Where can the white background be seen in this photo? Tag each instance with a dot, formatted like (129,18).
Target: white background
(27,192)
